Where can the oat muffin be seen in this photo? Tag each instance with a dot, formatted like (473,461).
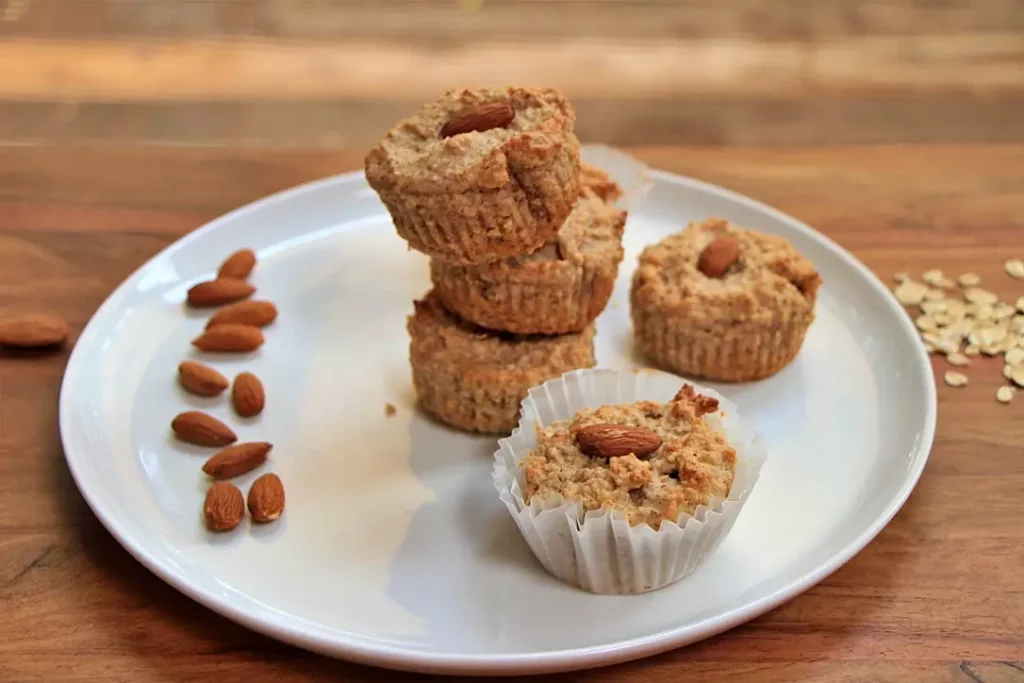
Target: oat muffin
(598,181)
(652,461)
(560,288)
(721,302)
(479,175)
(473,378)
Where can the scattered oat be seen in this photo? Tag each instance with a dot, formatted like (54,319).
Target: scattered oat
(1020,304)
(972,350)
(925,323)
(910,293)
(901,276)
(1017,376)
(935,306)
(1015,356)
(955,379)
(1008,371)
(1003,310)
(1015,268)
(934,295)
(982,297)
(1005,394)
(928,348)
(390,410)
(933,277)
(958,359)
(969,280)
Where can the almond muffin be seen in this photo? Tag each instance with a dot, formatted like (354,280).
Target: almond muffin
(560,288)
(721,302)
(480,175)
(475,379)
(649,460)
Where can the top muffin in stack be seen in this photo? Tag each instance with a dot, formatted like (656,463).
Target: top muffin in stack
(487,182)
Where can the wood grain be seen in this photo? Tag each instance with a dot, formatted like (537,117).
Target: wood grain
(938,596)
(327,72)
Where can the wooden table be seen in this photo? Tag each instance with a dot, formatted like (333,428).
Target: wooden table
(938,596)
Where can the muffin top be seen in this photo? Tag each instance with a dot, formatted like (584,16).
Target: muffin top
(597,181)
(448,145)
(718,271)
(652,461)
(474,351)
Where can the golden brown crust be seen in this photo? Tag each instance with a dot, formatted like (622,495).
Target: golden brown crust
(475,379)
(694,463)
(596,180)
(480,196)
(746,325)
(561,288)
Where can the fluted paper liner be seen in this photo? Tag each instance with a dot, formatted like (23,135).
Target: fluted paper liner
(599,551)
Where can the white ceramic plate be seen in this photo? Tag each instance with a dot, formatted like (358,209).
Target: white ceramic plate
(395,549)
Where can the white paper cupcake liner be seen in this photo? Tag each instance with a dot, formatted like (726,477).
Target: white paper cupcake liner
(599,551)
(631,175)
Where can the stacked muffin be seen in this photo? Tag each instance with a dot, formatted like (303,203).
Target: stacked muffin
(524,247)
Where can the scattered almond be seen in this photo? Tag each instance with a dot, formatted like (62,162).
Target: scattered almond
(479,118)
(266,498)
(224,507)
(238,265)
(237,460)
(719,256)
(195,426)
(201,380)
(33,331)
(218,292)
(611,440)
(255,313)
(230,337)
(247,395)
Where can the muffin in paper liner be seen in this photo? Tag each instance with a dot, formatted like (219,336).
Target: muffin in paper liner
(599,551)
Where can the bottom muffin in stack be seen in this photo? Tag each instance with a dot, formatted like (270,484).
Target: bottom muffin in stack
(474,378)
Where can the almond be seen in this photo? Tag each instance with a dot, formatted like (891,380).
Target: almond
(719,256)
(247,395)
(224,507)
(201,380)
(230,337)
(266,498)
(218,292)
(610,441)
(238,265)
(255,313)
(33,331)
(238,459)
(195,426)
(478,117)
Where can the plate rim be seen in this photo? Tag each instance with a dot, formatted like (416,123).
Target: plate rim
(563,660)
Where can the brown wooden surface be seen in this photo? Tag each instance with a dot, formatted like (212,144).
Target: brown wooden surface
(938,596)
(328,73)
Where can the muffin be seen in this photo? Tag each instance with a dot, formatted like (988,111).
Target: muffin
(475,379)
(480,175)
(721,302)
(631,495)
(598,181)
(560,288)
(651,461)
